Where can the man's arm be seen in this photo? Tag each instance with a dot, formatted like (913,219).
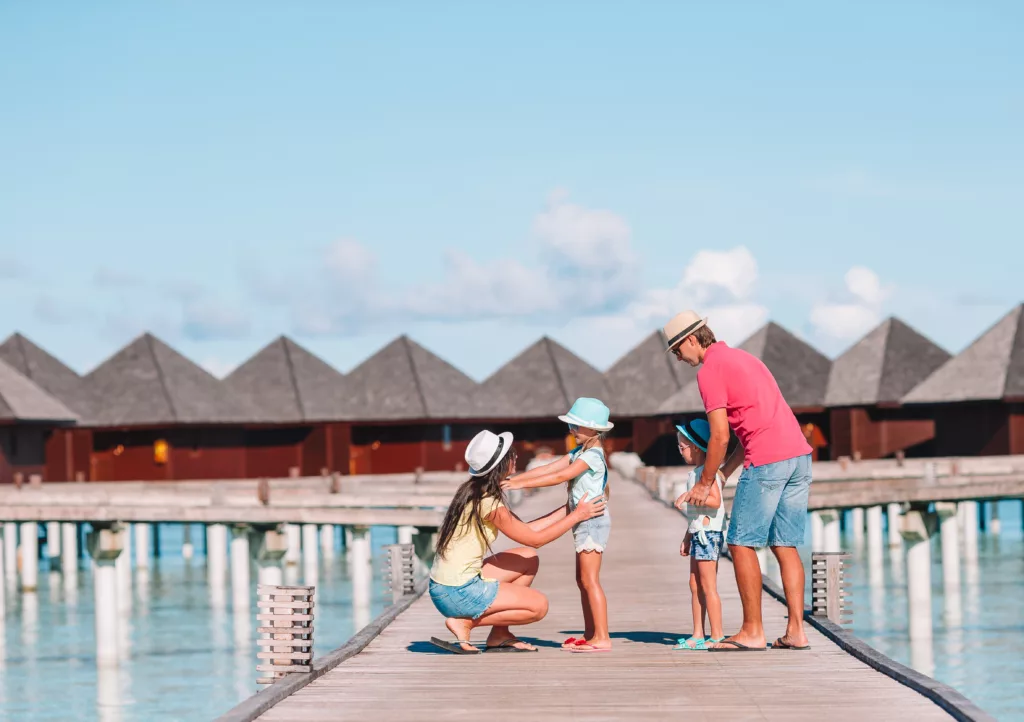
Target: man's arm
(718,444)
(734,461)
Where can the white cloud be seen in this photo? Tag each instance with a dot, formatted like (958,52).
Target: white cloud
(349,261)
(217,366)
(733,271)
(113,278)
(856,314)
(207,319)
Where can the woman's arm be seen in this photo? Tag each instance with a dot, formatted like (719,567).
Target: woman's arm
(543,522)
(519,531)
(556,465)
(550,478)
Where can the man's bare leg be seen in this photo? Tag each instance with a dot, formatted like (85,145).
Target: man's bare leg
(748,580)
(793,584)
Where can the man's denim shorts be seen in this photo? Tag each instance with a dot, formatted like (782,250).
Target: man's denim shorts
(469,601)
(770,506)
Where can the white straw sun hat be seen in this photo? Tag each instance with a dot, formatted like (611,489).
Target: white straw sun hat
(681,326)
(486,451)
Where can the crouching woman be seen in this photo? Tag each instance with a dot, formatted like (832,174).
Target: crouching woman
(474,590)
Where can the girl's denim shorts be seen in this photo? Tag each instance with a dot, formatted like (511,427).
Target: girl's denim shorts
(470,600)
(709,552)
(592,535)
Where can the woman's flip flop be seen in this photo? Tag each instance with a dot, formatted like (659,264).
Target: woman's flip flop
(453,647)
(509,645)
(572,643)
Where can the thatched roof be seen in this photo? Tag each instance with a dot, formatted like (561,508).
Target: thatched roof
(543,382)
(406,381)
(147,382)
(288,384)
(22,400)
(647,376)
(883,366)
(800,370)
(48,373)
(991,368)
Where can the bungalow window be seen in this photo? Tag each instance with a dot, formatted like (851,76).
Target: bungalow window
(446,437)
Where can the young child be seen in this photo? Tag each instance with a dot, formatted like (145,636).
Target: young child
(586,472)
(703,541)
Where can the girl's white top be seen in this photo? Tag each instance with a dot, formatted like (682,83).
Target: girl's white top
(697,514)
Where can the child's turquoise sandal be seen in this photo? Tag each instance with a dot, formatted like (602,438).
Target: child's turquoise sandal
(682,644)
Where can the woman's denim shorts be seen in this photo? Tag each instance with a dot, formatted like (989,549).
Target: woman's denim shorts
(469,601)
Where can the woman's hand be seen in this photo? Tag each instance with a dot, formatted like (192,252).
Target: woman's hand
(510,484)
(684,548)
(588,509)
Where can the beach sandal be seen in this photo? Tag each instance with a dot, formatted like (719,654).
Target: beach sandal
(588,649)
(736,647)
(453,647)
(782,644)
(683,643)
(572,642)
(509,645)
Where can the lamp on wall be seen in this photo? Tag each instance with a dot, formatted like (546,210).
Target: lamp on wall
(160,450)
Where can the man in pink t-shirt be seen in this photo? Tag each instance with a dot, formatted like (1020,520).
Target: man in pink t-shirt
(770,505)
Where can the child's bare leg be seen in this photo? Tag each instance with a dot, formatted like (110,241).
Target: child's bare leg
(708,572)
(588,613)
(698,617)
(590,569)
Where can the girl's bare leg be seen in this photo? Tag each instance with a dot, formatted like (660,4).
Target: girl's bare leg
(588,613)
(590,570)
(695,606)
(709,592)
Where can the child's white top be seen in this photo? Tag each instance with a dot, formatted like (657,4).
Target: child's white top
(593,480)
(697,514)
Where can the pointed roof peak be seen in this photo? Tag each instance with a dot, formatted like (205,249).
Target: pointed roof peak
(23,400)
(645,377)
(48,372)
(990,368)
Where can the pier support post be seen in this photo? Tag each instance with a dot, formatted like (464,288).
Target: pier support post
(105,547)
(294,553)
(876,563)
(3,586)
(69,548)
(327,541)
(29,556)
(348,537)
(52,540)
(268,545)
(142,546)
(832,537)
(857,521)
(216,561)
(894,524)
(362,574)
(240,567)
(995,526)
(949,531)
(187,550)
(310,555)
(405,534)
(11,550)
(970,529)
(123,562)
(817,532)
(917,529)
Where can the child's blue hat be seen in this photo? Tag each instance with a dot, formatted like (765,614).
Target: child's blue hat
(590,414)
(697,431)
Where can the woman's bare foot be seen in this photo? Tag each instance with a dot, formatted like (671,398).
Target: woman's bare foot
(461,629)
(605,643)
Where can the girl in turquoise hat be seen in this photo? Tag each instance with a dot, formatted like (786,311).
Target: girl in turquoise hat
(703,540)
(585,470)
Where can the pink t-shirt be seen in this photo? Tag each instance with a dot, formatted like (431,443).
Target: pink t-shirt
(741,384)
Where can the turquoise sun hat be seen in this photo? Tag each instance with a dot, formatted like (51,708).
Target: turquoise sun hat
(698,431)
(590,414)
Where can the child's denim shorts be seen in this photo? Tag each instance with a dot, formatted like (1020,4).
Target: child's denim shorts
(592,535)
(709,552)
(469,601)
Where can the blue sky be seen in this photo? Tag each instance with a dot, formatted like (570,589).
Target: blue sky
(221,173)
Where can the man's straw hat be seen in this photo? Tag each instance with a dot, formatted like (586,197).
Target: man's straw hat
(681,326)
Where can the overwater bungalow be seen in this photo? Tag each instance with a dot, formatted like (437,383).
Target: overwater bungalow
(28,418)
(801,371)
(640,382)
(865,388)
(532,390)
(301,403)
(977,397)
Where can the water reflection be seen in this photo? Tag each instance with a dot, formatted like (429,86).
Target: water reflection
(109,692)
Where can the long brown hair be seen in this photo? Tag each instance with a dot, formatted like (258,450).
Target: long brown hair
(472,493)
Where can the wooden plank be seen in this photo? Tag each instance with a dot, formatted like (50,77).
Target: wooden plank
(399,676)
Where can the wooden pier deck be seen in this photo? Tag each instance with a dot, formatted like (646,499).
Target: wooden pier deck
(399,676)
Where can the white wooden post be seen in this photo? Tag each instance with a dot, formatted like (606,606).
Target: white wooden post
(294,554)
(105,547)
(123,562)
(829,595)
(832,535)
(29,556)
(817,532)
(362,573)
(857,522)
(268,546)
(11,550)
(52,540)
(894,511)
(401,569)
(286,614)
(876,561)
(69,549)
(327,541)
(142,535)
(918,527)
(240,567)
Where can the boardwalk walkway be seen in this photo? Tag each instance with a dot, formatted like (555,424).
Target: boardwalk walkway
(399,676)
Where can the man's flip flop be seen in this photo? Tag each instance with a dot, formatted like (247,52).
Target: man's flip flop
(509,645)
(780,644)
(736,647)
(453,647)
(588,649)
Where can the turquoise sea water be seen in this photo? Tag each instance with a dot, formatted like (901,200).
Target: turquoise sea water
(189,656)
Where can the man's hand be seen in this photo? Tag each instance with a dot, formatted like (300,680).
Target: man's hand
(699,494)
(680,501)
